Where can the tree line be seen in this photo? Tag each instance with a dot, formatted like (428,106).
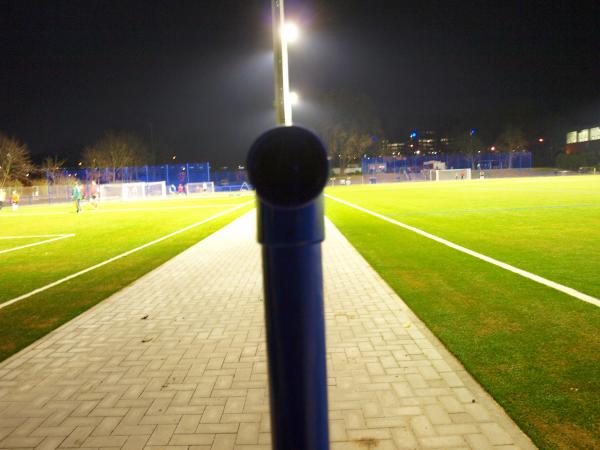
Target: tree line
(351,130)
(347,123)
(113,151)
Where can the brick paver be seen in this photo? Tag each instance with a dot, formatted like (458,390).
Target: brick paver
(177,361)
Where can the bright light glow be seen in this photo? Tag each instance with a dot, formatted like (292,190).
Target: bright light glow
(493,148)
(291,32)
(285,81)
(294,99)
(540,140)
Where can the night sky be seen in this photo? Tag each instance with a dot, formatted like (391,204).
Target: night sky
(196,78)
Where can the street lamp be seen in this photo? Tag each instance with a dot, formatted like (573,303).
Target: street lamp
(282,34)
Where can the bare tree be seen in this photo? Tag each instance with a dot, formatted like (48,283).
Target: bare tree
(15,163)
(347,126)
(116,151)
(512,140)
(346,144)
(51,168)
(467,143)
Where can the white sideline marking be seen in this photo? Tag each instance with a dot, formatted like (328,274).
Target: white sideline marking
(559,287)
(122,255)
(27,236)
(57,237)
(166,208)
(117,210)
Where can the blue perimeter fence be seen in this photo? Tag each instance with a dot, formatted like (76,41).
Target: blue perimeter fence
(415,164)
(171,174)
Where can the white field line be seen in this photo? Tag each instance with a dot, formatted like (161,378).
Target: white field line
(559,287)
(57,238)
(117,210)
(32,236)
(166,208)
(122,255)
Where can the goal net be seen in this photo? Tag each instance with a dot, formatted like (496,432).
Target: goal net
(452,174)
(205,187)
(156,189)
(133,191)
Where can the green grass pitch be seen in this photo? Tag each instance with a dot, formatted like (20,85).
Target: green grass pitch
(536,350)
(533,348)
(114,228)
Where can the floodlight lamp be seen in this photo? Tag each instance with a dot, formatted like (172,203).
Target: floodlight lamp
(294,98)
(290,32)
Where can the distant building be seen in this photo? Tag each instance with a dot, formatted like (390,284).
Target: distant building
(419,143)
(427,142)
(391,148)
(583,140)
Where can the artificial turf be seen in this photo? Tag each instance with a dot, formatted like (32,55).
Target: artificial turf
(536,350)
(99,235)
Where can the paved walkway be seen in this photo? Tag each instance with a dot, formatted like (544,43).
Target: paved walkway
(177,361)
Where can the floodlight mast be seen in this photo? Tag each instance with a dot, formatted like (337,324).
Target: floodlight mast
(283,104)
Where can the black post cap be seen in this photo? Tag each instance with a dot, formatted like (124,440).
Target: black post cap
(288,166)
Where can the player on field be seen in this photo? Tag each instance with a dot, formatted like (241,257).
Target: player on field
(14,199)
(94,194)
(77,196)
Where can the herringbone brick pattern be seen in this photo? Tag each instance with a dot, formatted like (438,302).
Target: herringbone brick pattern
(177,361)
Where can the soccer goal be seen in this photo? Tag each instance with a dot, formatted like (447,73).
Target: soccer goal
(133,191)
(588,170)
(203,188)
(452,174)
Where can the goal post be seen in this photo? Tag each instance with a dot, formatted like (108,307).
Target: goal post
(200,188)
(452,174)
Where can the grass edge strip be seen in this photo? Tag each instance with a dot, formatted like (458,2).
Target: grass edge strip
(117,257)
(538,279)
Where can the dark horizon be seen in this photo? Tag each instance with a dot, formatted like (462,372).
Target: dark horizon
(196,79)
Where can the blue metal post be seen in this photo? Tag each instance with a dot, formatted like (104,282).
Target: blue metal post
(288,167)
